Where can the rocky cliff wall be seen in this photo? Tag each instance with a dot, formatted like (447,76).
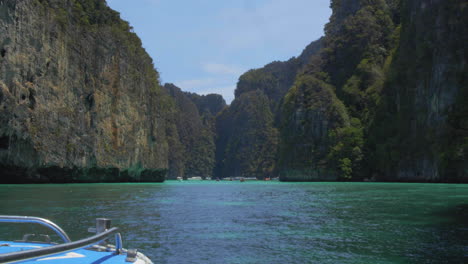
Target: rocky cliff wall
(78,94)
(247,131)
(423,116)
(398,68)
(310,112)
(192,152)
(324,114)
(247,140)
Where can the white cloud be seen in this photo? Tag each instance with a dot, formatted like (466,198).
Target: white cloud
(225,69)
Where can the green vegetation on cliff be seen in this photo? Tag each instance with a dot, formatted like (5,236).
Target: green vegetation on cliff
(247,131)
(78,94)
(81,101)
(359,41)
(246,138)
(192,153)
(399,69)
(420,129)
(382,97)
(311,111)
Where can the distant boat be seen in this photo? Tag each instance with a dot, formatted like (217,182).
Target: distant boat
(267,179)
(250,178)
(195,179)
(180,178)
(90,250)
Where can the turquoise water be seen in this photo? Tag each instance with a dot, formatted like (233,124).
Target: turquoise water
(261,222)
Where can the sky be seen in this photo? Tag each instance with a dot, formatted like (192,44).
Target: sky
(203,46)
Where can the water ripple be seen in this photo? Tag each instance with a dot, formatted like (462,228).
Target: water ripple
(257,222)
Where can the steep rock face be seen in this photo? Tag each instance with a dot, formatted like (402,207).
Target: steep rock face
(310,111)
(78,93)
(193,151)
(423,119)
(247,140)
(208,105)
(383,97)
(242,148)
(349,69)
(277,77)
(342,9)
(399,69)
(355,52)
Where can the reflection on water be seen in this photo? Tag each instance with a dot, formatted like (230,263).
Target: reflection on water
(262,222)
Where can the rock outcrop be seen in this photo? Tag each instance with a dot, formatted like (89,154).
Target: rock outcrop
(421,129)
(383,97)
(80,100)
(192,152)
(247,131)
(399,69)
(311,111)
(327,132)
(247,140)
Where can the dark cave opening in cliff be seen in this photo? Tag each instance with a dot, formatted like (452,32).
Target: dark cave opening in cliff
(32,99)
(4,142)
(90,101)
(3,53)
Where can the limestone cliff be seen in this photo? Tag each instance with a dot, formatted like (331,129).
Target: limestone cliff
(247,131)
(247,140)
(310,112)
(381,96)
(208,105)
(80,100)
(322,131)
(398,68)
(192,152)
(421,131)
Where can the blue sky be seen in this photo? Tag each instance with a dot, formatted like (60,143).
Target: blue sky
(203,46)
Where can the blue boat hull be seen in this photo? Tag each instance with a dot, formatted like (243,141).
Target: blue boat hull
(80,256)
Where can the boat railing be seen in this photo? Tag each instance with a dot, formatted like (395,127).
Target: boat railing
(60,248)
(36,220)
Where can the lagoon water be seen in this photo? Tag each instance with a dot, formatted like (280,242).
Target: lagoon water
(260,222)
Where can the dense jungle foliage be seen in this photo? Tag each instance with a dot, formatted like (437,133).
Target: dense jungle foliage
(381,96)
(378,99)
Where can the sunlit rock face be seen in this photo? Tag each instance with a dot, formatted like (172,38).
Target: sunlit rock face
(78,93)
(382,96)
(396,71)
